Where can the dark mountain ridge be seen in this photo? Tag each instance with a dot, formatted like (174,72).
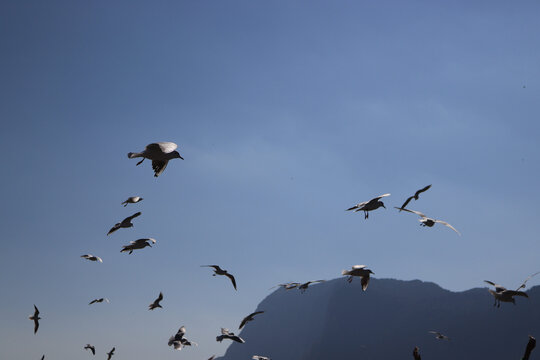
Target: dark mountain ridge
(337,320)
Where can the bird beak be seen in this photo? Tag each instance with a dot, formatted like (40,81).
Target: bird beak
(383,206)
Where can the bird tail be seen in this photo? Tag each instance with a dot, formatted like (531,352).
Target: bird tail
(132,155)
(345,272)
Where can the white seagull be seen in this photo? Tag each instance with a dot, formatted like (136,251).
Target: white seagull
(92,257)
(425,221)
(160,153)
(132,200)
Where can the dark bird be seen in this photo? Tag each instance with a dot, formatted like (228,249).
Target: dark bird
(132,200)
(226,334)
(126,223)
(137,244)
(415,196)
(100,300)
(35,318)
(178,341)
(370,205)
(43,357)
(91,348)
(425,221)
(361,271)
(249,318)
(160,153)
(110,353)
(220,271)
(156,304)
(439,336)
(287,286)
(416,353)
(503,294)
(92,257)
(530,347)
(303,287)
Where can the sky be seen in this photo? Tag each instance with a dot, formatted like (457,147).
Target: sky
(287,113)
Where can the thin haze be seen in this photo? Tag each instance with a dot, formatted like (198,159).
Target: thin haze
(287,113)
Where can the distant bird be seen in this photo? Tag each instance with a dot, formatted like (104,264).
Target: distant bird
(504,295)
(212,357)
(416,353)
(439,336)
(126,223)
(160,153)
(110,353)
(522,286)
(226,334)
(91,348)
(258,357)
(303,287)
(100,300)
(530,347)
(359,270)
(370,205)
(220,271)
(35,318)
(415,196)
(249,318)
(287,286)
(138,244)
(178,341)
(425,221)
(43,357)
(156,304)
(132,200)
(91,257)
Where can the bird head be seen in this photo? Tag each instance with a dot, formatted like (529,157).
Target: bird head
(382,204)
(176,155)
(371,272)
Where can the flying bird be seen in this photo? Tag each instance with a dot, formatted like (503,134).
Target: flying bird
(370,205)
(425,221)
(439,336)
(416,353)
(220,271)
(361,271)
(415,196)
(160,153)
(178,341)
(530,347)
(91,348)
(100,300)
(287,286)
(43,357)
(138,244)
(91,257)
(156,304)
(132,200)
(503,294)
(36,319)
(258,357)
(126,223)
(110,353)
(249,318)
(226,334)
(212,357)
(303,287)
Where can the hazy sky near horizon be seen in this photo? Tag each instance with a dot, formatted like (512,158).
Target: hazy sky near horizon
(287,113)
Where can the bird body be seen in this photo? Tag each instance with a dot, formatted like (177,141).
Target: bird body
(126,223)
(249,318)
(370,205)
(360,271)
(156,304)
(226,334)
(258,357)
(429,222)
(220,271)
(98,301)
(160,153)
(35,318)
(132,200)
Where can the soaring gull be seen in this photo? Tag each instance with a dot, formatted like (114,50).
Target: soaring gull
(160,153)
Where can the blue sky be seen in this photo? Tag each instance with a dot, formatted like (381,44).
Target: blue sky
(287,113)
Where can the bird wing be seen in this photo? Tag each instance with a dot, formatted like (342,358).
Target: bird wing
(93,301)
(406,203)
(129,218)
(232,280)
(225,331)
(498,288)
(416,353)
(530,347)
(359,266)
(152,240)
(435,332)
(36,325)
(412,211)
(159,166)
(364,282)
(359,205)
(160,297)
(114,228)
(216,267)
(421,191)
(164,147)
(448,225)
(522,286)
(36,311)
(516,293)
(212,357)
(379,197)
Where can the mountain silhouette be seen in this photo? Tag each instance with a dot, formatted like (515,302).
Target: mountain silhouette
(337,320)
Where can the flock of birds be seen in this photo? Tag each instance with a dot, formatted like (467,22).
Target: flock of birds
(161,153)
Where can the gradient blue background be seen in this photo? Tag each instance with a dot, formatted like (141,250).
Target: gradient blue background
(287,113)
